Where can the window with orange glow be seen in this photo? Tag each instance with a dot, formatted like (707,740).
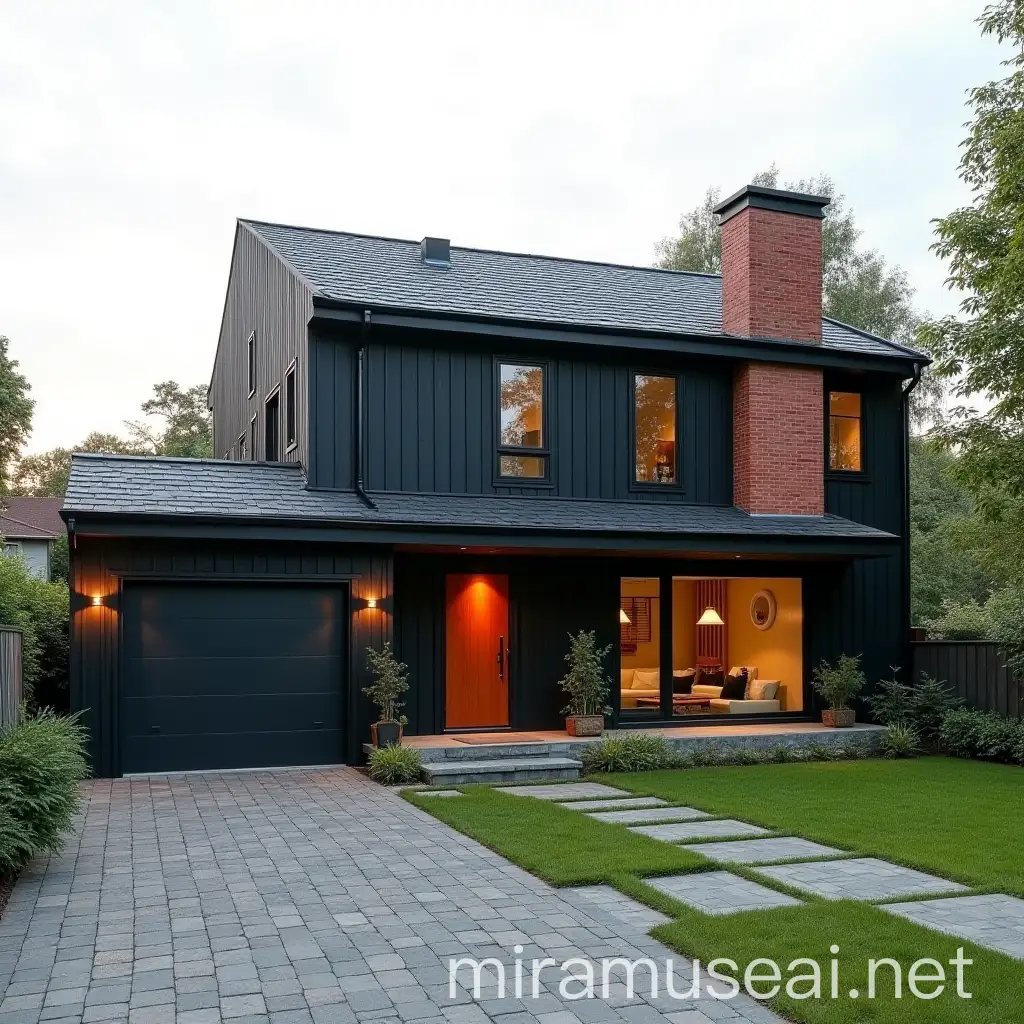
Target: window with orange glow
(844,431)
(654,429)
(522,435)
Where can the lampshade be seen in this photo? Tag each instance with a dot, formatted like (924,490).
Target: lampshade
(623,617)
(710,618)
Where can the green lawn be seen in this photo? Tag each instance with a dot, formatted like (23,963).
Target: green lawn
(959,819)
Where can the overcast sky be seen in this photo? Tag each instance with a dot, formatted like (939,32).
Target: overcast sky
(132,135)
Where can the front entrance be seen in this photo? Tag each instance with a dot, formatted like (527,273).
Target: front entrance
(476,651)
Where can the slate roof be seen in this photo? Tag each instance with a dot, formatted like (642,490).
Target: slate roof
(28,518)
(516,286)
(201,488)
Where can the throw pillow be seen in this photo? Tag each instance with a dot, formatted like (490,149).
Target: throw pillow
(735,687)
(711,678)
(762,689)
(682,682)
(646,679)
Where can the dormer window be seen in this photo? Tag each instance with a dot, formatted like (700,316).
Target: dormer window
(523,450)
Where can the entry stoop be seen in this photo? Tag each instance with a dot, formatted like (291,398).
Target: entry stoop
(454,771)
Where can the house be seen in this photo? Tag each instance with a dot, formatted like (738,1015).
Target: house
(473,453)
(28,527)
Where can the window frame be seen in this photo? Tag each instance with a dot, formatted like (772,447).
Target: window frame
(12,548)
(254,433)
(250,363)
(545,452)
(648,486)
(291,415)
(242,447)
(274,394)
(851,475)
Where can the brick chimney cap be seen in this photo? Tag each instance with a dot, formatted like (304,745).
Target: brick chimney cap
(763,198)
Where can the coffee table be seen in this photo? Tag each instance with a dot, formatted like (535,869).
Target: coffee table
(685,701)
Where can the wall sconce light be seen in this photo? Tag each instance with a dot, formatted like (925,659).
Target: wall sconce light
(371,602)
(96,601)
(710,618)
(623,617)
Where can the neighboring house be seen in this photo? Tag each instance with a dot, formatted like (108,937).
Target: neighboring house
(29,526)
(472,454)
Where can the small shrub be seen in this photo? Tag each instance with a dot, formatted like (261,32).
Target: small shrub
(901,741)
(959,733)
(392,766)
(586,683)
(821,752)
(634,752)
(922,707)
(42,760)
(838,683)
(390,681)
(781,754)
(749,756)
(982,734)
(853,751)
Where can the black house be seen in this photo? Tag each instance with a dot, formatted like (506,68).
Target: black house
(473,453)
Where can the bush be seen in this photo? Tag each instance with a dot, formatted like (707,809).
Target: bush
(965,621)
(586,683)
(391,766)
(922,707)
(42,760)
(634,752)
(982,734)
(390,681)
(901,740)
(40,610)
(840,682)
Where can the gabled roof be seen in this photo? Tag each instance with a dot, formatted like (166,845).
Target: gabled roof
(28,518)
(172,488)
(390,272)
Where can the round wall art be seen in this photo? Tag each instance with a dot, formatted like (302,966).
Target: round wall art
(763,608)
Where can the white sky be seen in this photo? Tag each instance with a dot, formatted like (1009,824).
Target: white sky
(133,134)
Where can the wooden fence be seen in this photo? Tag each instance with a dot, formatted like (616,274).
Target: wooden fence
(10,674)
(975,669)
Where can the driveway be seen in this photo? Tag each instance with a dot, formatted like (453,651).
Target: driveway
(294,897)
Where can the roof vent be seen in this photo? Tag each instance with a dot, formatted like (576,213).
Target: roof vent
(436,252)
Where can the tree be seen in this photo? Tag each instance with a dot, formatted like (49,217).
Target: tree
(187,425)
(47,473)
(15,412)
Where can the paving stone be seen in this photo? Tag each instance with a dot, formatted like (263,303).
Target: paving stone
(721,892)
(616,803)
(859,878)
(762,851)
(620,907)
(677,832)
(565,791)
(994,921)
(651,814)
(441,792)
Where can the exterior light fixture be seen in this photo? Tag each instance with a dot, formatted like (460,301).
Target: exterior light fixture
(97,601)
(371,602)
(623,617)
(710,618)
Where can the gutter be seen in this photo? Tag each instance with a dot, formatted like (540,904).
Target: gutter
(360,375)
(907,624)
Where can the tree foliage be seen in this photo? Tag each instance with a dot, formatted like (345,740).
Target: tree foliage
(15,412)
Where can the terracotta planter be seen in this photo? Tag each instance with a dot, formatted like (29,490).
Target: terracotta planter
(838,718)
(584,725)
(386,734)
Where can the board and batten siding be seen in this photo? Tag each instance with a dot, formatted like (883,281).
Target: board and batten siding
(99,566)
(264,297)
(430,419)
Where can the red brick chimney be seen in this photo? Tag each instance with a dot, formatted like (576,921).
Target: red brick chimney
(771,288)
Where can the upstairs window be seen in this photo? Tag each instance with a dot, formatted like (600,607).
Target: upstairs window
(522,433)
(290,416)
(243,452)
(252,439)
(270,427)
(844,432)
(250,357)
(655,428)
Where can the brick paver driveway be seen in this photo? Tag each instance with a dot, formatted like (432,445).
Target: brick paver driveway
(292,897)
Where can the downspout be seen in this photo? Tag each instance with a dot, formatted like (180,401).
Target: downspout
(360,373)
(907,623)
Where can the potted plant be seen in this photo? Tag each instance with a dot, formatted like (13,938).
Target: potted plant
(390,681)
(837,684)
(587,686)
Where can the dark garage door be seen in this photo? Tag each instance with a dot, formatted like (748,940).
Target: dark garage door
(231,676)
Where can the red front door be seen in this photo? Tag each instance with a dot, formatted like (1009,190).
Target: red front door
(476,651)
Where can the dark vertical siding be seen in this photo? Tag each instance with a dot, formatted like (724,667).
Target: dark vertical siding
(430,420)
(263,296)
(97,566)
(975,670)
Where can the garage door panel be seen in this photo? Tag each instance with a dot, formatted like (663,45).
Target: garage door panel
(200,715)
(231,676)
(232,750)
(193,676)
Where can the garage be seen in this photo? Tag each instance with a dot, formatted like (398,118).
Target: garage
(221,675)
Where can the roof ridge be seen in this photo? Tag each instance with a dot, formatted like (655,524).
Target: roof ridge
(477,249)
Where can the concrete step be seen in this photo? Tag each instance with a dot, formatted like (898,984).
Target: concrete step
(504,769)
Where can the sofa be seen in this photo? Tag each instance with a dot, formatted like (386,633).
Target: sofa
(762,695)
(639,682)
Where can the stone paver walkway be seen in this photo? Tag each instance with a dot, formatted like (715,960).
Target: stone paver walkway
(650,814)
(565,791)
(995,921)
(305,897)
(762,851)
(619,803)
(720,827)
(621,907)
(860,878)
(720,892)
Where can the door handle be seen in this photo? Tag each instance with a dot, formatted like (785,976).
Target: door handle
(501,657)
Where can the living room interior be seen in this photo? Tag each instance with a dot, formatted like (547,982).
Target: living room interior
(737,646)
